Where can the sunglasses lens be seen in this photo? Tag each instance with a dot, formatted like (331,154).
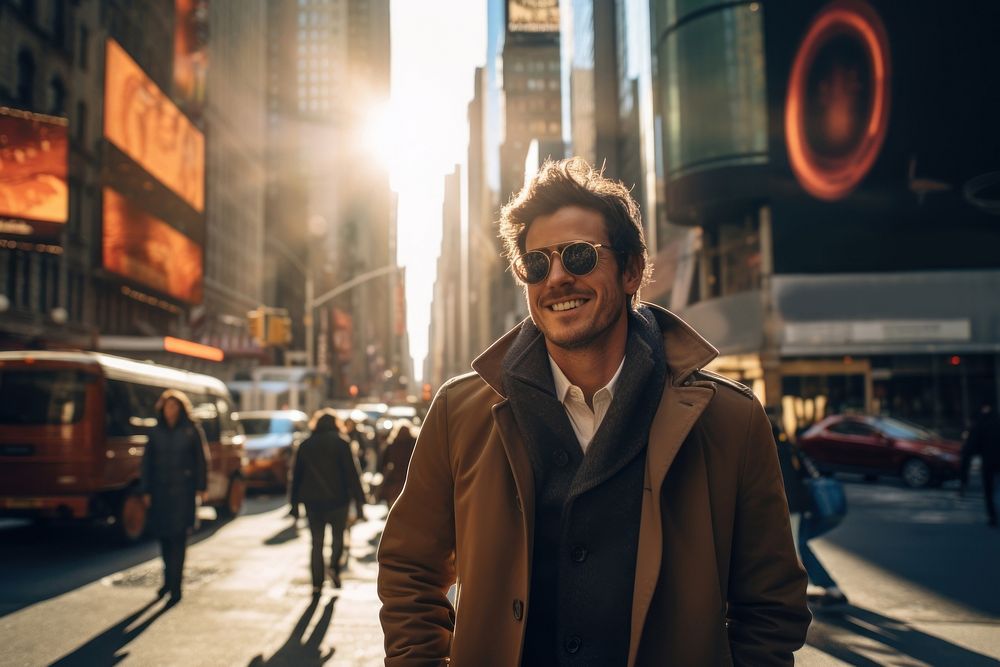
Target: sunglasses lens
(579,258)
(534,266)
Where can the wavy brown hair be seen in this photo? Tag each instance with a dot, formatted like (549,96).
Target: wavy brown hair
(574,182)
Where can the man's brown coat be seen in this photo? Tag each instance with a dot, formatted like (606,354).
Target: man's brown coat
(717,579)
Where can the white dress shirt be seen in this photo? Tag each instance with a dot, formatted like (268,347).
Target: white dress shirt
(585,421)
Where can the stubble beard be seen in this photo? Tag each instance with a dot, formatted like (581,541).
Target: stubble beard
(593,333)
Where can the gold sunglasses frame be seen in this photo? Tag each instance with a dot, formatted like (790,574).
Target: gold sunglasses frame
(558,249)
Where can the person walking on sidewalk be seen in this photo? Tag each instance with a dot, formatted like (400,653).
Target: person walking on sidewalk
(174,472)
(984,440)
(325,478)
(795,469)
(396,459)
(598,498)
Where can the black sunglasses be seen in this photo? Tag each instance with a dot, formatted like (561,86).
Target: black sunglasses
(577,257)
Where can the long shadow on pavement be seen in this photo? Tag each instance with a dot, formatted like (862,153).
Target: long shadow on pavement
(43,562)
(930,537)
(849,633)
(104,648)
(286,534)
(296,653)
(258,503)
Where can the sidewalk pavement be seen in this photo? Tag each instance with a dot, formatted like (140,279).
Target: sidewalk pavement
(247,601)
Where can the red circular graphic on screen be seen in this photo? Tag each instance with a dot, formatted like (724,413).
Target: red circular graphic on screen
(837,109)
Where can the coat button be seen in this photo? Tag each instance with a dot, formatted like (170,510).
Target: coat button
(578,554)
(518,610)
(561,458)
(573,644)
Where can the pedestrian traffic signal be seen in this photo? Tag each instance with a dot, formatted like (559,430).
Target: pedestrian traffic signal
(426,393)
(255,322)
(279,330)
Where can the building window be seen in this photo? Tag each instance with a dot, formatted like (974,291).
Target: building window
(57,96)
(30,9)
(57,10)
(731,259)
(26,79)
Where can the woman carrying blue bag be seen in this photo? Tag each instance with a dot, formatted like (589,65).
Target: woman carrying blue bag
(816,505)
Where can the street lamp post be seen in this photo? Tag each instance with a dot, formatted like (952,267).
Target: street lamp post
(315,302)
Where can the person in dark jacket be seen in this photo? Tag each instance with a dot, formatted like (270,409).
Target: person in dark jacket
(174,471)
(984,440)
(325,478)
(795,469)
(396,460)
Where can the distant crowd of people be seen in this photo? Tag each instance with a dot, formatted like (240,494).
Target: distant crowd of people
(326,479)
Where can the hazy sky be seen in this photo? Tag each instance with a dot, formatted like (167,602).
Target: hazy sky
(436,47)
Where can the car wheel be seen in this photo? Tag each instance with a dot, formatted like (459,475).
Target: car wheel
(234,498)
(130,519)
(916,474)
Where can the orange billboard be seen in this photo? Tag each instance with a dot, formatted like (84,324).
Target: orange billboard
(190,53)
(143,248)
(145,125)
(33,185)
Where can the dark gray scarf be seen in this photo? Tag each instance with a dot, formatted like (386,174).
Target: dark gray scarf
(624,432)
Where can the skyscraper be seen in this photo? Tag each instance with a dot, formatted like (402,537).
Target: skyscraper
(331,204)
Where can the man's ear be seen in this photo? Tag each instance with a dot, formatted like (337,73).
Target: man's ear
(632,275)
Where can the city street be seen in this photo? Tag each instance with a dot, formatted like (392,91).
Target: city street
(920,570)
(915,564)
(67,600)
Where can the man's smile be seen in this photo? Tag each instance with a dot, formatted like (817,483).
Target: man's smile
(569,304)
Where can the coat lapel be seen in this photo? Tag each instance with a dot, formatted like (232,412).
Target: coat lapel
(520,467)
(680,407)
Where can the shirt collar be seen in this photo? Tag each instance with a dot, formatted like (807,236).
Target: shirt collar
(563,384)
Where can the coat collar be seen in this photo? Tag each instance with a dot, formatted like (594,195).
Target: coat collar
(685,349)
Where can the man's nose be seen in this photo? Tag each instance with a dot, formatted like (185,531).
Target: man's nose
(558,274)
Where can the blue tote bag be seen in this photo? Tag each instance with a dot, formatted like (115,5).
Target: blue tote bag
(829,502)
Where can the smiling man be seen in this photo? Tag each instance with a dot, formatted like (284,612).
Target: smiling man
(598,498)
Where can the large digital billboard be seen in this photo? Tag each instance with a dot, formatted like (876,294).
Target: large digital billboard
(145,125)
(837,110)
(34,195)
(533,15)
(143,248)
(190,53)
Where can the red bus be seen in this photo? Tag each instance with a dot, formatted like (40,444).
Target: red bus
(73,426)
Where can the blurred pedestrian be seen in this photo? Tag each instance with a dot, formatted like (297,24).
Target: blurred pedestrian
(984,441)
(174,473)
(357,434)
(795,470)
(396,459)
(601,498)
(326,479)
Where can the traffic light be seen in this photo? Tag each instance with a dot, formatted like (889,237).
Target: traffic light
(426,393)
(279,330)
(255,322)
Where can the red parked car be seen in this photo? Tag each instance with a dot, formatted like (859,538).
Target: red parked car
(876,446)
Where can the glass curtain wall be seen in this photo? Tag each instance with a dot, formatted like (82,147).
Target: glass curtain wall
(712,83)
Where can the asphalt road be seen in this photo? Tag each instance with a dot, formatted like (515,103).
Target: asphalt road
(920,568)
(922,573)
